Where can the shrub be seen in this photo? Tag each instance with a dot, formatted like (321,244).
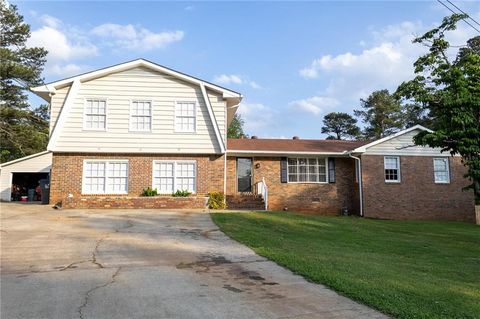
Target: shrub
(181,193)
(149,192)
(216,200)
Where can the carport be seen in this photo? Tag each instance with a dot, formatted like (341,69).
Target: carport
(25,173)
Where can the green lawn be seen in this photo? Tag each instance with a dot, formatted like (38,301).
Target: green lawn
(408,269)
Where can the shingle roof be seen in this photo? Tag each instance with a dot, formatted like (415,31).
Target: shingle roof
(293,145)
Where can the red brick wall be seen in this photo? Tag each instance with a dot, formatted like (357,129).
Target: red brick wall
(169,202)
(325,199)
(67,168)
(416,196)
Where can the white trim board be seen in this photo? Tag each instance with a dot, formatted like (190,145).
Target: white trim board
(64,113)
(212,118)
(45,90)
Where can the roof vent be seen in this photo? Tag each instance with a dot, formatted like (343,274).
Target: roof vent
(295,138)
(254,137)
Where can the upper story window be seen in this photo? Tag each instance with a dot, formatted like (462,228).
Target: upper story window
(170,176)
(95,115)
(185,117)
(392,169)
(440,170)
(105,177)
(141,116)
(307,170)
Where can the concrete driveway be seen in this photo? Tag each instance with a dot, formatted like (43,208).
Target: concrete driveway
(145,264)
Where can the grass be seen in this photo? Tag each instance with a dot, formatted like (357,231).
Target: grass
(408,269)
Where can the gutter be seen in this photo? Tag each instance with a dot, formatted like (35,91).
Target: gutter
(360,184)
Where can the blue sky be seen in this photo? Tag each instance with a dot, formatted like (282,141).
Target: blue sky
(293,61)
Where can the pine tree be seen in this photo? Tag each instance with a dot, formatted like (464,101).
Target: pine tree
(23,131)
(381,113)
(235,130)
(340,126)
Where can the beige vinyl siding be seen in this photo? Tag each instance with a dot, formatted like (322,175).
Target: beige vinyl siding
(56,105)
(403,145)
(142,84)
(37,164)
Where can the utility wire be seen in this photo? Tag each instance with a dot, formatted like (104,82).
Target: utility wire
(469,16)
(443,4)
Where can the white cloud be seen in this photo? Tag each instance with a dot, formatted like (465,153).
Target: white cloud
(64,45)
(226,79)
(189,8)
(384,61)
(135,38)
(315,104)
(68,45)
(257,116)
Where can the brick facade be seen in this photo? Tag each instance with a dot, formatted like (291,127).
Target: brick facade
(166,202)
(325,199)
(416,196)
(67,168)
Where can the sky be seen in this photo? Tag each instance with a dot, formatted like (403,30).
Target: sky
(294,62)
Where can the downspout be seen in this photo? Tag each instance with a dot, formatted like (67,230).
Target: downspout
(225,178)
(360,184)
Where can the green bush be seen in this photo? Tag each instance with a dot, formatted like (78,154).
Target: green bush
(216,200)
(181,193)
(149,192)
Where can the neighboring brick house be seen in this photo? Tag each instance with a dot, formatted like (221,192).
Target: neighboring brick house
(118,130)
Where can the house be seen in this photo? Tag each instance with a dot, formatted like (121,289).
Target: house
(390,178)
(121,129)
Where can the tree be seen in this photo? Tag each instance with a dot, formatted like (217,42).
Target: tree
(22,130)
(341,125)
(449,88)
(415,113)
(235,130)
(381,112)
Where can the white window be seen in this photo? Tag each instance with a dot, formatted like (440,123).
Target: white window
(105,177)
(141,116)
(440,170)
(170,176)
(185,117)
(392,169)
(95,115)
(307,170)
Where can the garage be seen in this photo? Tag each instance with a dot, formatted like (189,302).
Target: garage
(26,179)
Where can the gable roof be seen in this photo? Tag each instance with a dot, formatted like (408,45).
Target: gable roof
(45,90)
(363,148)
(24,158)
(293,146)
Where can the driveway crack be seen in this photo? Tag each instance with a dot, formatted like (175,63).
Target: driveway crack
(91,291)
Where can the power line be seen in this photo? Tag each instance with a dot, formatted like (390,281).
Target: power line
(443,4)
(469,16)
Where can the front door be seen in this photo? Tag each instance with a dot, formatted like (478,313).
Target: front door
(244,175)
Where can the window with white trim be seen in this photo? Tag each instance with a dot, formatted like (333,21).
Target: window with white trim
(307,170)
(440,170)
(105,177)
(170,176)
(141,116)
(391,166)
(95,115)
(185,116)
